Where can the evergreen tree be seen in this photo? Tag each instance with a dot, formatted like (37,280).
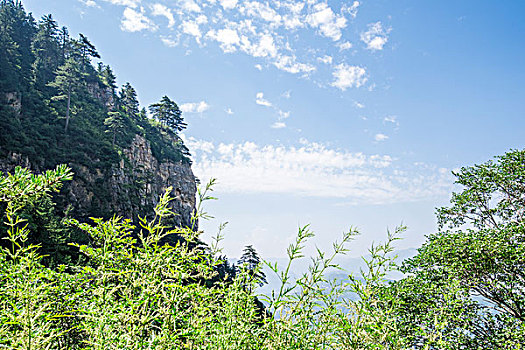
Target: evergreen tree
(67,81)
(63,38)
(17,30)
(251,262)
(128,101)
(115,124)
(83,50)
(107,76)
(168,113)
(47,52)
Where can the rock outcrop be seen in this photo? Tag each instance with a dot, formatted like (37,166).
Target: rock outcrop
(142,179)
(130,188)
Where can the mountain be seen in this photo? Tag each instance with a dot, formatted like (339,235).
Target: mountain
(59,104)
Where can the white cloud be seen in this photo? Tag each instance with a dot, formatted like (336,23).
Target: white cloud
(284,115)
(380,137)
(168,41)
(352,9)
(326,20)
(345,45)
(192,28)
(190,6)
(133,21)
(201,19)
(290,65)
(278,125)
(314,170)
(287,94)
(89,3)
(348,76)
(266,30)
(326,59)
(229,111)
(391,119)
(228,4)
(359,105)
(259,99)
(194,107)
(375,37)
(264,47)
(262,11)
(228,38)
(128,3)
(161,10)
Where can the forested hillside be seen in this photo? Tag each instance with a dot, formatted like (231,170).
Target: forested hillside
(59,104)
(140,277)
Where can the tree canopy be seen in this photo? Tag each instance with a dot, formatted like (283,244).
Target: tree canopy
(168,113)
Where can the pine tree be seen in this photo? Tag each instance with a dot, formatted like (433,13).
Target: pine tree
(67,81)
(17,30)
(65,43)
(47,52)
(251,262)
(128,101)
(168,113)
(115,124)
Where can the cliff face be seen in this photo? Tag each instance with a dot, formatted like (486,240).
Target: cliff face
(130,188)
(142,179)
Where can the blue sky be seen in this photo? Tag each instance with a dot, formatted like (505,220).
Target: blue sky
(334,113)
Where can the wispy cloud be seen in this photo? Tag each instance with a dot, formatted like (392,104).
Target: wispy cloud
(89,3)
(346,76)
(260,100)
(346,45)
(380,137)
(324,18)
(278,125)
(268,31)
(391,119)
(375,37)
(228,4)
(168,41)
(314,170)
(351,9)
(358,105)
(326,59)
(195,107)
(228,38)
(135,21)
(162,10)
(128,3)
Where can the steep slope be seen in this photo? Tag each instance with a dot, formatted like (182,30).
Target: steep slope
(57,106)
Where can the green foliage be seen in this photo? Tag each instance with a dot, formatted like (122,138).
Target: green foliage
(472,271)
(115,124)
(251,264)
(56,108)
(135,291)
(119,285)
(168,113)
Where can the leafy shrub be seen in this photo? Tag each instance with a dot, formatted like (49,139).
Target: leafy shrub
(134,291)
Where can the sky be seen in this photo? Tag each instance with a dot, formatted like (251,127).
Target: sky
(336,114)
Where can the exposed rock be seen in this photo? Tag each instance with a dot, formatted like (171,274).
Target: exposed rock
(130,188)
(104,94)
(14,100)
(142,179)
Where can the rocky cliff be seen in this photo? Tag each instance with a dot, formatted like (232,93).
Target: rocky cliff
(129,188)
